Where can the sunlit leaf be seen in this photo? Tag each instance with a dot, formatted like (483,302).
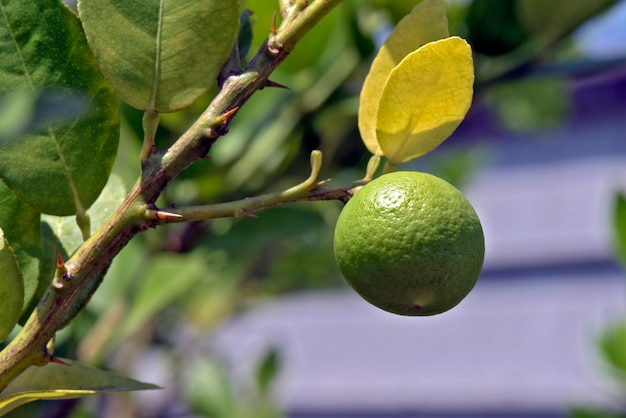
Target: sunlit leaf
(11,289)
(59,381)
(425,98)
(161,54)
(551,20)
(426,23)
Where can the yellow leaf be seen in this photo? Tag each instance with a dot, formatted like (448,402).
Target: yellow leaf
(426,23)
(63,381)
(425,99)
(16,400)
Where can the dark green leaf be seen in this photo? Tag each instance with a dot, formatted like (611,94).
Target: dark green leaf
(267,370)
(64,381)
(244,38)
(21,228)
(11,289)
(47,267)
(161,55)
(60,167)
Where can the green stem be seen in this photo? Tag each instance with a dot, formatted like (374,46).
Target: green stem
(246,207)
(372,166)
(87,266)
(150,124)
(308,190)
(389,167)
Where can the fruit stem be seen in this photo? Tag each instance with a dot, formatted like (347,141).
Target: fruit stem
(372,166)
(389,167)
(310,189)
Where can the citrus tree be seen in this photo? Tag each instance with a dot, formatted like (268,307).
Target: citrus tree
(160,57)
(75,229)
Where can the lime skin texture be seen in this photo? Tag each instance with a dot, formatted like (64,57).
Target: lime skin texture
(410,243)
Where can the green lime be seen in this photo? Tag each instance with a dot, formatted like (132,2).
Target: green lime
(410,243)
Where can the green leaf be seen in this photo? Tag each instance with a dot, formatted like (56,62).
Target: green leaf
(425,99)
(66,229)
(267,370)
(161,54)
(61,166)
(554,19)
(60,381)
(21,228)
(426,23)
(47,269)
(11,289)
(613,348)
(619,227)
(245,34)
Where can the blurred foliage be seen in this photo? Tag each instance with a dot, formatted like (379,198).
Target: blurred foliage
(593,413)
(619,227)
(491,36)
(172,286)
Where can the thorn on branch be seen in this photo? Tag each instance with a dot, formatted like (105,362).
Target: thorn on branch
(246,213)
(54,359)
(270,83)
(60,263)
(48,355)
(62,275)
(273,30)
(152,214)
(273,47)
(224,117)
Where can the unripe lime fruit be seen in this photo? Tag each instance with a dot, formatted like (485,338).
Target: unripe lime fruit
(410,243)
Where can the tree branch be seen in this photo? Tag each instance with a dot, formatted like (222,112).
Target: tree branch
(310,189)
(85,270)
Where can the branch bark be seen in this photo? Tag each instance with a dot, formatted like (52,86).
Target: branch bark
(70,292)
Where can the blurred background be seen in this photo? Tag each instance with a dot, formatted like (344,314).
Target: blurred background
(244,317)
